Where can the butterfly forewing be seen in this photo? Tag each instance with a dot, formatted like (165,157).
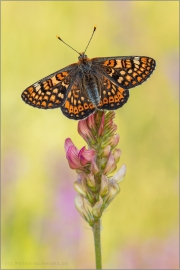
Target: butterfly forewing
(51,91)
(126,71)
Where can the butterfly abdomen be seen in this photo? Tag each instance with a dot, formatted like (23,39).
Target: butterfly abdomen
(92,89)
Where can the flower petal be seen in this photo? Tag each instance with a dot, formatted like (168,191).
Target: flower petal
(119,175)
(94,167)
(117,154)
(72,157)
(96,210)
(79,203)
(110,165)
(90,180)
(86,156)
(84,130)
(101,128)
(104,185)
(106,151)
(113,191)
(90,121)
(80,185)
(68,143)
(114,140)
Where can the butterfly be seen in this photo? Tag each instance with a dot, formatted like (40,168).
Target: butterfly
(100,83)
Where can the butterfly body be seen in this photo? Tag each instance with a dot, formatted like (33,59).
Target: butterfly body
(88,78)
(90,84)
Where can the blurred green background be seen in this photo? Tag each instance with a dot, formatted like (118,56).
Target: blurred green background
(41,229)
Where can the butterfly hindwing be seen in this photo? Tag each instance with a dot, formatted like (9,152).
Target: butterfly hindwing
(112,96)
(77,105)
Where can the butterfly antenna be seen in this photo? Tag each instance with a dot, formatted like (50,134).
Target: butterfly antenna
(90,38)
(67,45)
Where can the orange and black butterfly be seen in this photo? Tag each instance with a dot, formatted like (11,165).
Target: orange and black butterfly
(101,83)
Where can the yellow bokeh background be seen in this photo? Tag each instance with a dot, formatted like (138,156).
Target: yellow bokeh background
(41,229)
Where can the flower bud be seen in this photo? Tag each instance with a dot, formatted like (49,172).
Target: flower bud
(84,208)
(90,180)
(113,191)
(94,167)
(79,203)
(80,186)
(101,128)
(84,130)
(104,185)
(110,165)
(106,151)
(91,121)
(117,154)
(114,140)
(110,115)
(90,197)
(96,210)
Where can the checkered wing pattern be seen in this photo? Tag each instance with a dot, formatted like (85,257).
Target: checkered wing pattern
(77,105)
(126,71)
(112,96)
(90,84)
(51,91)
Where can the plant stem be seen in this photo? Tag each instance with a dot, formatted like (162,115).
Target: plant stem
(97,243)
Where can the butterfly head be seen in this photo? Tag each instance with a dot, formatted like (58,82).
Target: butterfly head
(82,56)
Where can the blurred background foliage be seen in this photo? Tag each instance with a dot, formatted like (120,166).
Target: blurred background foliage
(41,228)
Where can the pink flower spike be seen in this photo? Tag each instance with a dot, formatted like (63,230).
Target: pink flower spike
(86,156)
(101,128)
(84,130)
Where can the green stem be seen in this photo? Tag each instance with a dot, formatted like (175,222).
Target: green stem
(97,243)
